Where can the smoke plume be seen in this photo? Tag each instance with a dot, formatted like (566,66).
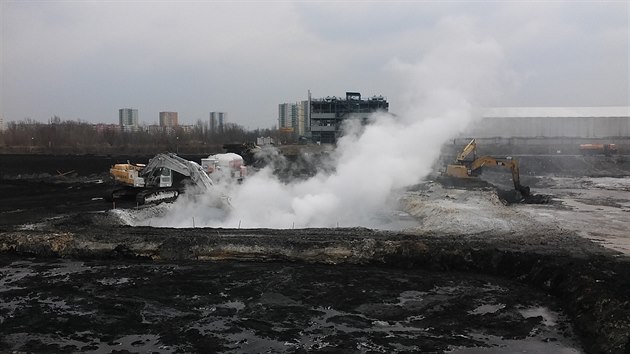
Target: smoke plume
(460,72)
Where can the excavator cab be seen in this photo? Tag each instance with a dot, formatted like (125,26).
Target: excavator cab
(458,171)
(162,177)
(166,178)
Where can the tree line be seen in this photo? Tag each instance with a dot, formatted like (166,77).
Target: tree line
(76,137)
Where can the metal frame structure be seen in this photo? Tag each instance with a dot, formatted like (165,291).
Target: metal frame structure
(327,114)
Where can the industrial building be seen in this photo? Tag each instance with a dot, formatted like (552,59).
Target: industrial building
(128,119)
(552,122)
(327,114)
(549,130)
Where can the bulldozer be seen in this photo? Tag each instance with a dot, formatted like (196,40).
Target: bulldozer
(468,165)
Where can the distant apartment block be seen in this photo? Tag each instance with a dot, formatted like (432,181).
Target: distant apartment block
(304,113)
(104,127)
(287,116)
(327,114)
(265,140)
(217,122)
(168,119)
(1,123)
(128,119)
(293,117)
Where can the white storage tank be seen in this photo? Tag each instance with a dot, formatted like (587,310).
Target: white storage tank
(224,165)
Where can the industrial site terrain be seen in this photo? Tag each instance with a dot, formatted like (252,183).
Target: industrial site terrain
(458,269)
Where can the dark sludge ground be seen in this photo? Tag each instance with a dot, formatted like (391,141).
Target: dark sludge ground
(51,305)
(71,280)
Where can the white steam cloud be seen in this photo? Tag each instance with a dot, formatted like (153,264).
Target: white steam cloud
(462,71)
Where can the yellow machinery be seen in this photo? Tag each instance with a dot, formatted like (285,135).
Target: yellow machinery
(595,149)
(127,174)
(468,165)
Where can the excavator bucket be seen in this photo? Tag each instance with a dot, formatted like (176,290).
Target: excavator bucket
(523,195)
(525,192)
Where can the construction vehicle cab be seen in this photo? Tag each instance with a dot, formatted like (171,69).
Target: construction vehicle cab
(162,178)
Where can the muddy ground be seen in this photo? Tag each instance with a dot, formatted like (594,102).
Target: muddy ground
(73,278)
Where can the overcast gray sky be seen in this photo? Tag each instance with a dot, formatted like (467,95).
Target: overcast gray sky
(86,59)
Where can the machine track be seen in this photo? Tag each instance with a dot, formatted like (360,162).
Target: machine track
(154,196)
(142,196)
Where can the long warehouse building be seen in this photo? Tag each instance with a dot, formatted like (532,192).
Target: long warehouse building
(552,122)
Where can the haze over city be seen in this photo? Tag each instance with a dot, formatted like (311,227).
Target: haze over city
(86,60)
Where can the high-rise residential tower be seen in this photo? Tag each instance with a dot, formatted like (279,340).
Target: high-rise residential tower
(293,117)
(217,122)
(128,119)
(168,119)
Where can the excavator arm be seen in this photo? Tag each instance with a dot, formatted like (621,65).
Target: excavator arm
(470,149)
(175,163)
(510,163)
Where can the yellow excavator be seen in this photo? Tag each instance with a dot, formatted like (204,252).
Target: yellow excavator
(468,165)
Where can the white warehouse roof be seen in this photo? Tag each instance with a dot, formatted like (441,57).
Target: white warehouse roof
(552,122)
(557,112)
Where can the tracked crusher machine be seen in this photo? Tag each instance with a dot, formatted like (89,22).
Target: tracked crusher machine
(153,182)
